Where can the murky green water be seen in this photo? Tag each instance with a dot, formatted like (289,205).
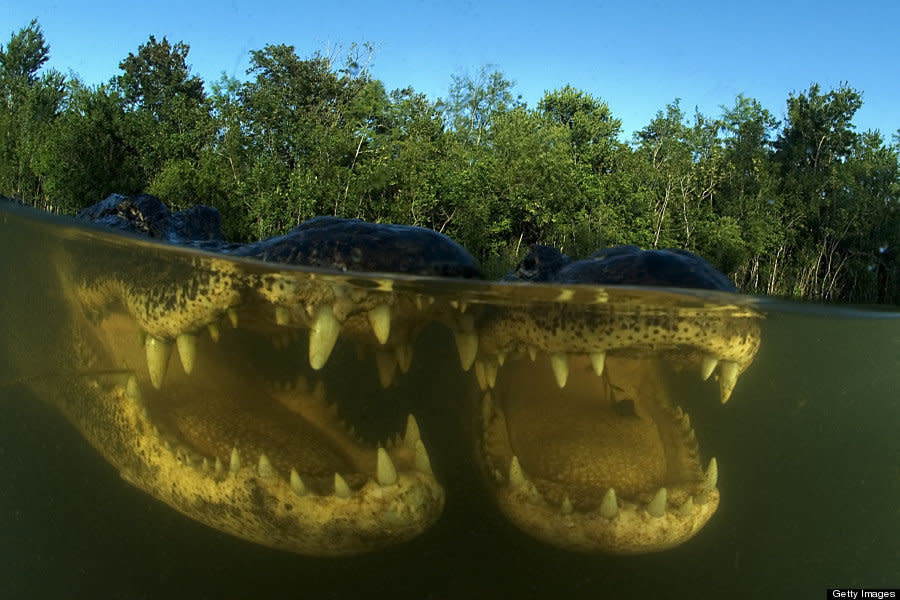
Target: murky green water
(807,449)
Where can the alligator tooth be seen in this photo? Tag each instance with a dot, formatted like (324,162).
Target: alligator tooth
(707,366)
(480,375)
(158,353)
(297,485)
(728,374)
(380,320)
(459,305)
(385,471)
(419,302)
(387,367)
(133,390)
(657,506)
(235,460)
(532,353)
(265,467)
(300,383)
(404,354)
(219,468)
(232,317)
(318,392)
(341,489)
(566,507)
(467,346)
(214,332)
(516,476)
(322,337)
(712,474)
(421,460)
(686,422)
(687,508)
(204,465)
(501,358)
(187,350)
(282,315)
(412,434)
(609,507)
(598,361)
(490,373)
(487,409)
(560,364)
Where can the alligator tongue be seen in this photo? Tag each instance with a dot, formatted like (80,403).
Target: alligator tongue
(214,423)
(584,435)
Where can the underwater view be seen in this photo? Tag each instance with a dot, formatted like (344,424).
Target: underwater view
(186,423)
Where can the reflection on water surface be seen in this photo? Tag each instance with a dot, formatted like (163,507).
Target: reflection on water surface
(254,398)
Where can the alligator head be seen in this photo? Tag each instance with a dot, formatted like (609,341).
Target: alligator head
(584,439)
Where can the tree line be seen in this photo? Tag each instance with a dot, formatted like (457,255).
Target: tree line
(805,207)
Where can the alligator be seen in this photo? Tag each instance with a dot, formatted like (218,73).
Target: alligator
(578,435)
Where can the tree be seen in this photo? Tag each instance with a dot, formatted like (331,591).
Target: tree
(90,153)
(474,101)
(158,74)
(594,131)
(23,56)
(171,123)
(817,139)
(29,105)
(747,196)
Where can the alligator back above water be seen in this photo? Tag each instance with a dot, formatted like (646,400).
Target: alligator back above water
(576,428)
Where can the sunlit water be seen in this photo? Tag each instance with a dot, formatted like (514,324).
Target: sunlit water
(807,449)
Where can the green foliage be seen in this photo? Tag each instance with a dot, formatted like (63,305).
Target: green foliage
(91,153)
(30,103)
(805,208)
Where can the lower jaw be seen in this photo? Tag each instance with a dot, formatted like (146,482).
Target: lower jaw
(632,530)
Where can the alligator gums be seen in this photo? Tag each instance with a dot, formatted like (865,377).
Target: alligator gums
(197,363)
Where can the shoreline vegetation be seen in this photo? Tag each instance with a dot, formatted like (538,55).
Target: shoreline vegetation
(805,208)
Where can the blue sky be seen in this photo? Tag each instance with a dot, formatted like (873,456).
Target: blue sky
(637,55)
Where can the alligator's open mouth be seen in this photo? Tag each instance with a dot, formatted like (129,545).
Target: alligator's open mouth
(581,432)
(211,402)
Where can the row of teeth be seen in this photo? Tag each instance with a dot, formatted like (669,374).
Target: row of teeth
(326,329)
(323,336)
(486,370)
(610,505)
(385,471)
